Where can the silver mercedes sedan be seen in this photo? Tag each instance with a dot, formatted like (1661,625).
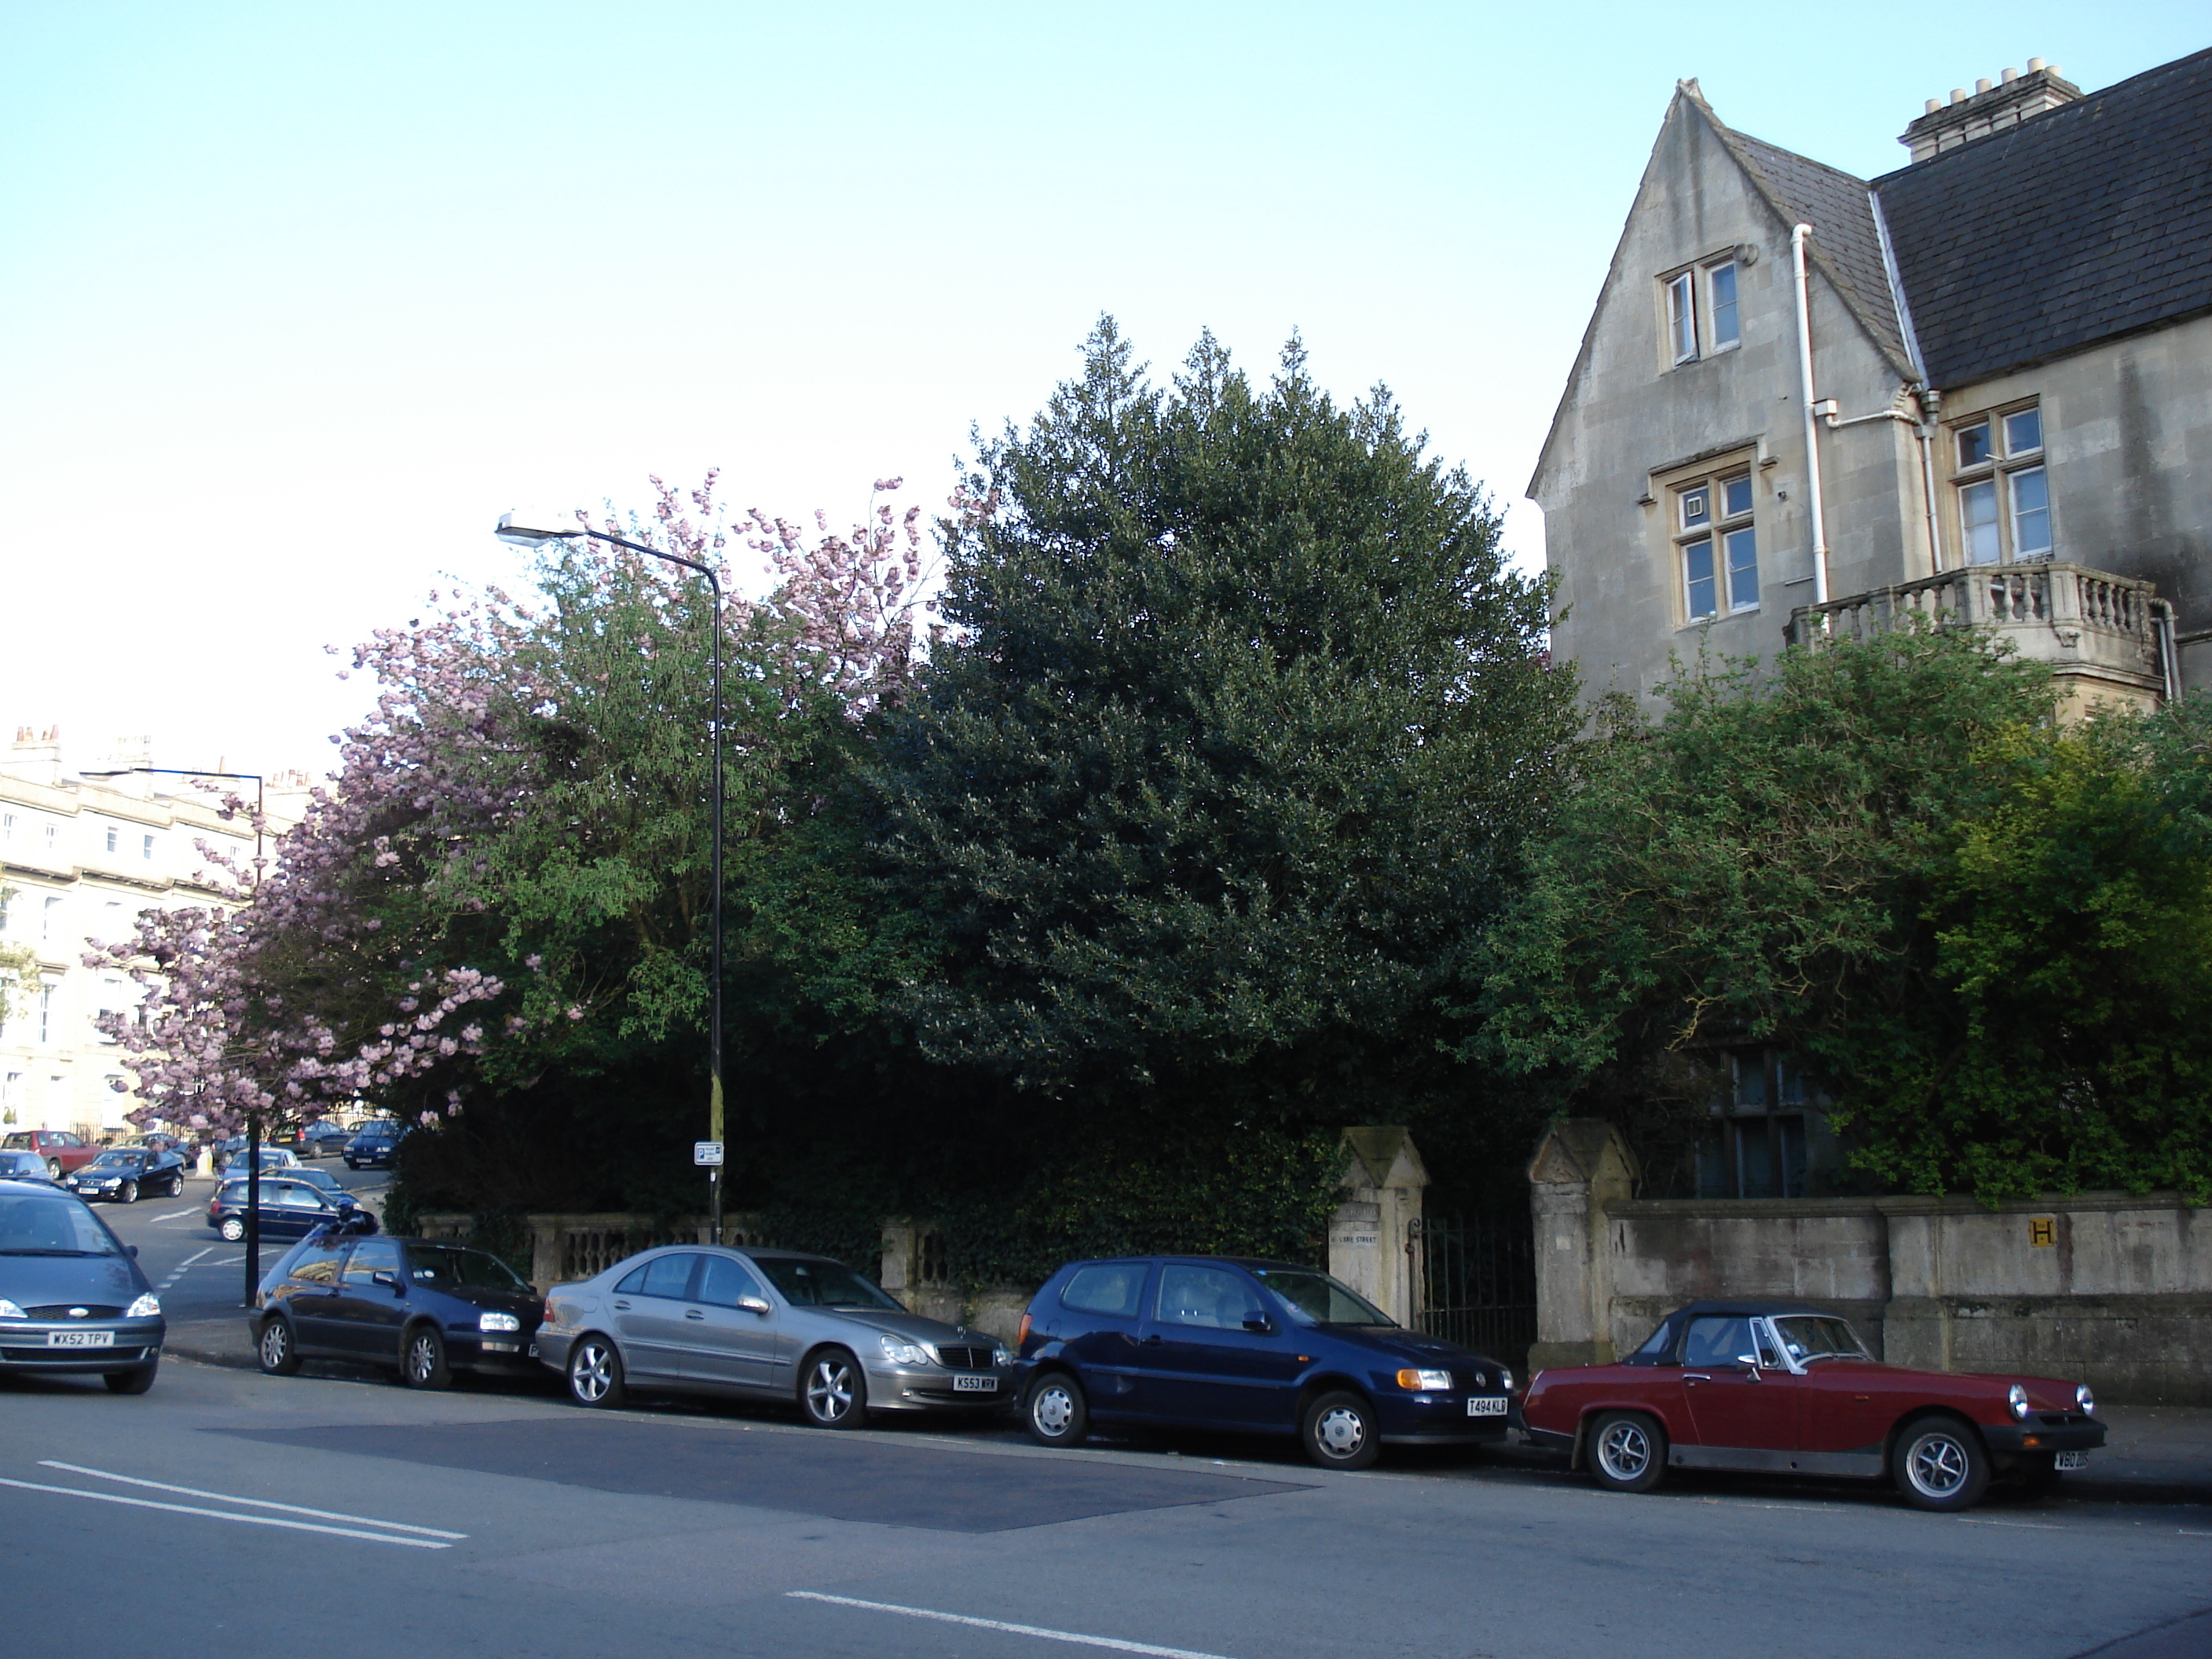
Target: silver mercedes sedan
(769,1325)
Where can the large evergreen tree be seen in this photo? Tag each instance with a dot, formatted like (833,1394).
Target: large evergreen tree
(1235,738)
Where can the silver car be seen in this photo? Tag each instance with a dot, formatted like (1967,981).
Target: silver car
(768,1325)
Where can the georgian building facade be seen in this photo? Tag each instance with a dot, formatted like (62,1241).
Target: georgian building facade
(80,857)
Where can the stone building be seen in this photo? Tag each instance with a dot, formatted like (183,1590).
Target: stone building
(1978,387)
(81,855)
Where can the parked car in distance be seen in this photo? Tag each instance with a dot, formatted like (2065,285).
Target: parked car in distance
(424,1307)
(72,1297)
(1264,1348)
(775,1326)
(1783,1388)
(18,1164)
(321,1180)
(63,1152)
(374,1146)
(124,1174)
(289,1209)
(321,1138)
(270,1158)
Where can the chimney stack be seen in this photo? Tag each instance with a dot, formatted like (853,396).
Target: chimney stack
(1989,108)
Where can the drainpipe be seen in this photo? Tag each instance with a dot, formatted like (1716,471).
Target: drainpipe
(1931,404)
(1797,235)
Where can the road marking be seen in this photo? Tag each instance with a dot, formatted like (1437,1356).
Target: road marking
(178,1272)
(224,1515)
(1118,1646)
(2039,1526)
(258,1503)
(174,1214)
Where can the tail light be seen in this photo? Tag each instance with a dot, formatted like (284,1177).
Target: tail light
(1022,1336)
(545,1315)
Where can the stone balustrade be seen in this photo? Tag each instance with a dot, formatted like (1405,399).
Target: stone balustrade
(2105,636)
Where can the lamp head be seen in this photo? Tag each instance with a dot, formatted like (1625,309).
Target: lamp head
(534,527)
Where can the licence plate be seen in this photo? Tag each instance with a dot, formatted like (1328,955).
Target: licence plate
(2070,1461)
(963,1384)
(1491,1406)
(80,1338)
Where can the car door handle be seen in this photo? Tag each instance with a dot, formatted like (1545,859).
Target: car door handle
(1152,1341)
(693,1313)
(1695,1377)
(622,1307)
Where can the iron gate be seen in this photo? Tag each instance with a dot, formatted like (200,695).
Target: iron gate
(1474,1282)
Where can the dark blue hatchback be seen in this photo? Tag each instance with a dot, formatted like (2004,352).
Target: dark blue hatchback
(1266,1347)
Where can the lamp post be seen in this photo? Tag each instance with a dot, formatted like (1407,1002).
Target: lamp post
(534,529)
(253,1118)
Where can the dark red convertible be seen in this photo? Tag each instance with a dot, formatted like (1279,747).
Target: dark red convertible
(1784,1388)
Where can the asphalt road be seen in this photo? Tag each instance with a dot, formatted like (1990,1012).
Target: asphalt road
(333,1517)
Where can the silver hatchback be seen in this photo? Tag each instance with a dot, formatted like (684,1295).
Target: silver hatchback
(768,1325)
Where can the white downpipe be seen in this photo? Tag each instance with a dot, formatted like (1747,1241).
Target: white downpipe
(1926,433)
(1797,235)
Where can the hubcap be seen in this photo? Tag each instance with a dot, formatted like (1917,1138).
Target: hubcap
(1626,1451)
(420,1360)
(1053,1410)
(829,1391)
(593,1374)
(1341,1431)
(1937,1465)
(272,1346)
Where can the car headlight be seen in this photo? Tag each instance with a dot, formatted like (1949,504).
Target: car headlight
(2016,1402)
(1001,1354)
(147,1306)
(2084,1401)
(1505,1381)
(9,1310)
(900,1351)
(1429,1381)
(498,1321)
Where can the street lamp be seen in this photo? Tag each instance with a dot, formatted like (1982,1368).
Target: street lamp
(252,1119)
(535,528)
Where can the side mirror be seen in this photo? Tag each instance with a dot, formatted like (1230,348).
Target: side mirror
(1259,1325)
(389,1279)
(133,1248)
(1748,1361)
(752,1304)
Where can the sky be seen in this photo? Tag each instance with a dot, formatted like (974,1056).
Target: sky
(296,299)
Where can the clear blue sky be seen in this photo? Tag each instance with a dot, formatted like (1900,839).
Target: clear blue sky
(299,298)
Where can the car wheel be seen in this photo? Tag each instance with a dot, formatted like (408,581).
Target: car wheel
(595,1372)
(1339,1432)
(278,1353)
(231,1229)
(1056,1412)
(177,1183)
(833,1393)
(422,1359)
(53,1169)
(1627,1452)
(137,1380)
(127,1192)
(1938,1463)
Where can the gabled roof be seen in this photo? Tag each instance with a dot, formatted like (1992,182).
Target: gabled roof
(1845,247)
(2082,223)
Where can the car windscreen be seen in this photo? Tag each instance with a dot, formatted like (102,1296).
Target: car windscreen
(824,1285)
(1315,1299)
(117,1160)
(48,1223)
(1810,1336)
(448,1267)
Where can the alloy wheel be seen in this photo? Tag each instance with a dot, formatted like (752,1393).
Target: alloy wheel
(1937,1465)
(829,1390)
(591,1372)
(1625,1449)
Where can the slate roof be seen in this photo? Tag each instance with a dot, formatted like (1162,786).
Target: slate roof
(1835,205)
(2086,222)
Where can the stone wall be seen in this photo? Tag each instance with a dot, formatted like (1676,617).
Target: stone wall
(2111,1289)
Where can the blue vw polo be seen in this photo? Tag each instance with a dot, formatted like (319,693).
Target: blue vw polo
(1265,1347)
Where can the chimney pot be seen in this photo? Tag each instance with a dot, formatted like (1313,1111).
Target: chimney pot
(1983,84)
(2034,65)
(1932,107)
(1959,94)
(2009,75)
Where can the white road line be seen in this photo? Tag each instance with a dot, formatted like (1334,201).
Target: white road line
(1117,1645)
(223,1515)
(258,1503)
(178,1272)
(174,1214)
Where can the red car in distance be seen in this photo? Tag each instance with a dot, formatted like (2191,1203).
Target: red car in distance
(1781,1388)
(64,1153)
